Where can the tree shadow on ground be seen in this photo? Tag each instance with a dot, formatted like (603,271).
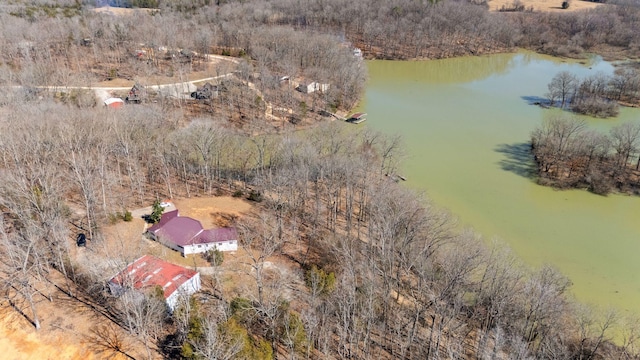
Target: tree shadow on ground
(517,159)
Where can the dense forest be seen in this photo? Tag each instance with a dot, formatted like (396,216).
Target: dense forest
(378,271)
(406,284)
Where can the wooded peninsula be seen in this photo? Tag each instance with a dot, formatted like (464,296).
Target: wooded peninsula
(114,118)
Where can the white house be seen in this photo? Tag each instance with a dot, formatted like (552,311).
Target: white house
(187,235)
(148,272)
(309,87)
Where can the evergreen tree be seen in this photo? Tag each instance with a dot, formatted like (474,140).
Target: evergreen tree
(156,212)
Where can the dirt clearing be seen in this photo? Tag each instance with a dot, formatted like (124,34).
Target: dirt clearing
(19,344)
(70,330)
(213,211)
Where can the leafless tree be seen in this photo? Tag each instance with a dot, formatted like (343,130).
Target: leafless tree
(625,140)
(260,240)
(143,315)
(216,344)
(594,329)
(555,141)
(562,87)
(543,303)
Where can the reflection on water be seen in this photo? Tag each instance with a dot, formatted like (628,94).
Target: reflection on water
(466,123)
(448,71)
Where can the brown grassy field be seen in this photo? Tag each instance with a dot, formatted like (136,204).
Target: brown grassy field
(121,11)
(544,5)
(70,330)
(17,343)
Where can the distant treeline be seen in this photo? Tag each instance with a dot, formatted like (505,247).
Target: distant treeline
(402,29)
(569,154)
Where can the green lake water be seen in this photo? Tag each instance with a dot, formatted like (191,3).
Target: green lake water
(466,123)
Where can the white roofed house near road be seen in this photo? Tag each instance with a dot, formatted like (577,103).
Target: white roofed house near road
(149,272)
(114,103)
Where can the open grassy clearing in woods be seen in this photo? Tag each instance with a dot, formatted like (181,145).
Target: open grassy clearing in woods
(210,211)
(543,5)
(209,69)
(117,11)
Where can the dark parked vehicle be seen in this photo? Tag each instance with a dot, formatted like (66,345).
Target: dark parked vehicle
(81,240)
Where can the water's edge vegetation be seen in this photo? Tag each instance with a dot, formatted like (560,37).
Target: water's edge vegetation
(569,154)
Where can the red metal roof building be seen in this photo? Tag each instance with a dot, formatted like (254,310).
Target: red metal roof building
(357,118)
(114,103)
(148,272)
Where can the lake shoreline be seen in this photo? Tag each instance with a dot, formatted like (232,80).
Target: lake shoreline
(466,123)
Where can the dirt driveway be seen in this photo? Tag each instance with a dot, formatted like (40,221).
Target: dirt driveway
(139,213)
